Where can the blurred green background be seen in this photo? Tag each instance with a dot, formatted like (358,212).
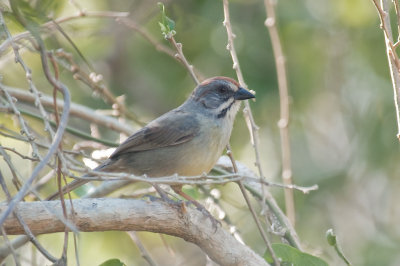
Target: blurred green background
(343,124)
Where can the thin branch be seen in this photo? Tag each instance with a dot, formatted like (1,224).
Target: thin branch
(145,254)
(22,122)
(8,243)
(26,229)
(51,26)
(94,82)
(20,154)
(283,123)
(167,180)
(304,190)
(148,37)
(76,110)
(178,55)
(15,180)
(60,131)
(397,9)
(393,60)
(248,115)
(138,215)
(182,58)
(253,212)
(250,121)
(279,219)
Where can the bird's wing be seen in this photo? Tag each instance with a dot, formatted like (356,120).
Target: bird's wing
(170,129)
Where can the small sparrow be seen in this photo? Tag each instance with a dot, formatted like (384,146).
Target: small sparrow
(186,141)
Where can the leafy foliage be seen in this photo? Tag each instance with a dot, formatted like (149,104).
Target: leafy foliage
(291,256)
(167,25)
(113,262)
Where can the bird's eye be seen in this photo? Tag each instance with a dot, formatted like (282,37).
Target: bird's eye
(222,89)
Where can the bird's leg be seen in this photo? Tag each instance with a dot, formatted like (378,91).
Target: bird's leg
(163,194)
(178,190)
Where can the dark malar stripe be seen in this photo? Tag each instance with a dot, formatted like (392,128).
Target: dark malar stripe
(225,110)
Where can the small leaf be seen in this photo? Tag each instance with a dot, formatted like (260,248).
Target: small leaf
(192,192)
(163,28)
(170,23)
(292,256)
(331,237)
(113,262)
(84,190)
(167,25)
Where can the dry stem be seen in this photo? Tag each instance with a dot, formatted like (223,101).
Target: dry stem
(283,123)
(393,60)
(249,119)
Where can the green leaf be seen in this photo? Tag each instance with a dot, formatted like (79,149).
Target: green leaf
(84,190)
(292,256)
(192,192)
(163,28)
(113,262)
(170,23)
(331,237)
(167,25)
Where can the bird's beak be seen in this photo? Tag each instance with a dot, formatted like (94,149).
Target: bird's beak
(243,94)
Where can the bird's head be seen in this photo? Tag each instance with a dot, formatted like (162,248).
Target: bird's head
(219,96)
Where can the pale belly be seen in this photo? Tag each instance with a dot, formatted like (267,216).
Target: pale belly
(191,158)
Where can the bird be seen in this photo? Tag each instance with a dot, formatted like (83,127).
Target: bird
(186,141)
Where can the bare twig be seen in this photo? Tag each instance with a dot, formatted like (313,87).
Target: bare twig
(279,219)
(182,58)
(8,243)
(250,121)
(146,256)
(20,154)
(14,244)
(51,26)
(178,55)
(158,46)
(77,110)
(15,180)
(60,176)
(94,82)
(22,122)
(393,60)
(397,9)
(63,121)
(283,123)
(304,190)
(27,231)
(253,128)
(167,180)
(258,223)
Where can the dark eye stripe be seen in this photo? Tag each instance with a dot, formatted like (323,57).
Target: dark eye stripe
(225,110)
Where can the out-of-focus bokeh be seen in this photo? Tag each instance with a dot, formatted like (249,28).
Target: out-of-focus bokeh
(343,123)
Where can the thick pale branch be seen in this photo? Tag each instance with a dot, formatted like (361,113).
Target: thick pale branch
(136,215)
